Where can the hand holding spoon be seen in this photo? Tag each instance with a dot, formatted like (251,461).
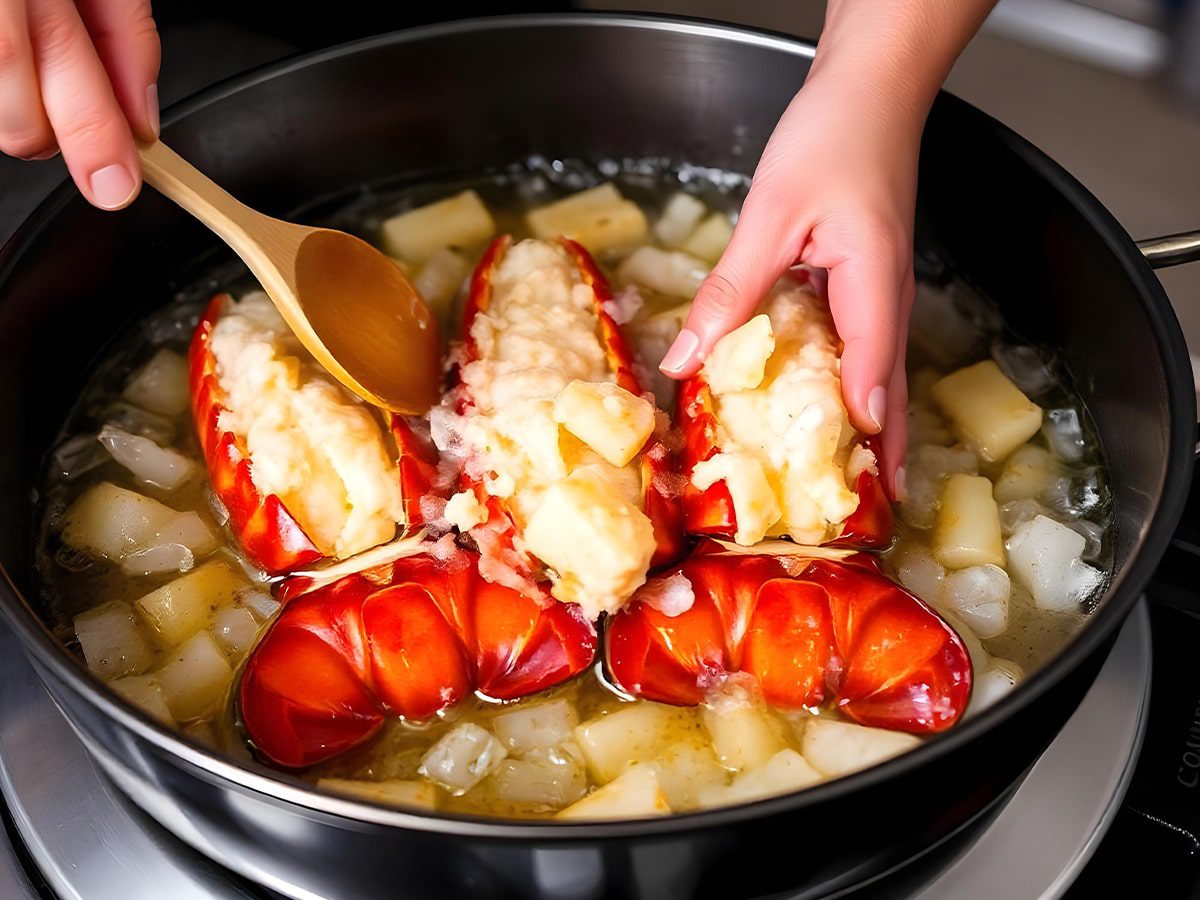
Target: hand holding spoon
(349,305)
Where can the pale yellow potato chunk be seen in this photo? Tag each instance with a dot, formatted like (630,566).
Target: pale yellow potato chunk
(839,748)
(195,679)
(710,238)
(1027,474)
(739,360)
(599,218)
(606,417)
(440,280)
(144,692)
(680,216)
(459,221)
(633,734)
(393,792)
(967,529)
(179,609)
(688,769)
(161,385)
(111,521)
(666,272)
(112,643)
(635,794)
(783,773)
(743,735)
(986,410)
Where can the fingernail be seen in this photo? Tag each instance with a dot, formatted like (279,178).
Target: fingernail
(681,352)
(152,107)
(47,154)
(901,484)
(877,406)
(112,187)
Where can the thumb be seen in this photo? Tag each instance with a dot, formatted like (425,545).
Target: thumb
(758,254)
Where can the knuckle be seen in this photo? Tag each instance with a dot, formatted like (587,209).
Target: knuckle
(87,128)
(57,34)
(12,51)
(26,145)
(718,296)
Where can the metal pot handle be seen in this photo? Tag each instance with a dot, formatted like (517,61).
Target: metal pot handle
(1171,250)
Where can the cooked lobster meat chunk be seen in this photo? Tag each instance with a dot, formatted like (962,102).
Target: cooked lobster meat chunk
(305,469)
(409,639)
(812,632)
(564,477)
(769,448)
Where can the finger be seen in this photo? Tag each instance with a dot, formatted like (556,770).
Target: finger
(126,39)
(895,435)
(866,275)
(761,249)
(90,126)
(24,129)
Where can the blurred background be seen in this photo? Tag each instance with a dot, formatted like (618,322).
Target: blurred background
(1109,88)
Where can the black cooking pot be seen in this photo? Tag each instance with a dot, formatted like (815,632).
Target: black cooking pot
(468,97)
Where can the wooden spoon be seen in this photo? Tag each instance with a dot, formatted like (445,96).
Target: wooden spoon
(348,304)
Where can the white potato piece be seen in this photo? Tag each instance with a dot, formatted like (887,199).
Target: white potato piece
(459,221)
(634,795)
(839,748)
(710,238)
(190,530)
(966,531)
(632,734)
(179,609)
(686,770)
(783,773)
(979,595)
(1045,558)
(235,629)
(196,678)
(260,603)
(742,732)
(600,218)
(990,685)
(928,465)
(112,643)
(144,692)
(668,272)
(150,463)
(440,280)
(1028,474)
(987,410)
(920,573)
(161,385)
(111,522)
(550,778)
(606,417)
(539,726)
(680,216)
(463,757)
(156,560)
(392,792)
(739,359)
(174,548)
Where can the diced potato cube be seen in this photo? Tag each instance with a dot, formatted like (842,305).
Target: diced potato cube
(686,770)
(967,529)
(196,678)
(743,735)
(549,778)
(783,773)
(599,218)
(635,794)
(174,548)
(992,684)
(235,629)
(189,530)
(110,521)
(979,595)
(739,359)
(179,609)
(710,238)
(1028,474)
(393,792)
(606,417)
(536,727)
(987,410)
(156,560)
(920,573)
(161,467)
(1045,558)
(260,603)
(680,216)
(463,757)
(112,643)
(839,748)
(144,692)
(666,272)
(459,221)
(440,280)
(754,502)
(161,385)
(633,734)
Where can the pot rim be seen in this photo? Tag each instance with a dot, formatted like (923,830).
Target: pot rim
(52,658)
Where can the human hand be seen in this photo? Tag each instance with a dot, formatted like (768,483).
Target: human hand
(80,77)
(834,190)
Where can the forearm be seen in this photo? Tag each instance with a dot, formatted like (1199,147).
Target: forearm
(892,56)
